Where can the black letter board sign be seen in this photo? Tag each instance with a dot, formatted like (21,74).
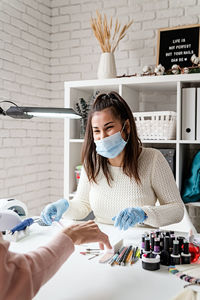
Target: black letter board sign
(177,45)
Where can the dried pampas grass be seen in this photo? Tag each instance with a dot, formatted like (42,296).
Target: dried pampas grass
(108,35)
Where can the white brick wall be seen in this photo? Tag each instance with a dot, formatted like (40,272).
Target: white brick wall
(46,42)
(25,78)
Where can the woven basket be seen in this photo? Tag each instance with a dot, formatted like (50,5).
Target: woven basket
(158,125)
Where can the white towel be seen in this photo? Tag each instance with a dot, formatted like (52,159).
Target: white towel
(187,294)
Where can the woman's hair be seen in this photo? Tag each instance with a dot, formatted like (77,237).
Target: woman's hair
(92,161)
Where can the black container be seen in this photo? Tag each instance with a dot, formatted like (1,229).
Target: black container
(165,255)
(151,261)
(185,258)
(175,256)
(185,255)
(175,259)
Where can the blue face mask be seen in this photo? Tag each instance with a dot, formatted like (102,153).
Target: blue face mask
(111,146)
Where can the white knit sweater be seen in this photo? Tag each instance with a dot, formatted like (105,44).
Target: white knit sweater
(157,183)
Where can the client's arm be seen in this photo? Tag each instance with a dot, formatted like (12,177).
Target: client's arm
(21,275)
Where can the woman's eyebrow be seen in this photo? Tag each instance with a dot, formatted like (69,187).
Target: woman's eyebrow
(108,123)
(111,122)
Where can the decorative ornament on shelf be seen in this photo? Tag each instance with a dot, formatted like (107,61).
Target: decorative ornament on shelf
(195,68)
(109,37)
(175,69)
(185,70)
(82,108)
(159,70)
(195,60)
(147,70)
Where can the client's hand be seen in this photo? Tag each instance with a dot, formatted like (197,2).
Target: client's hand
(54,211)
(129,217)
(87,232)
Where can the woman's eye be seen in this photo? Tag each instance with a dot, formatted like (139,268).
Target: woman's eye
(109,127)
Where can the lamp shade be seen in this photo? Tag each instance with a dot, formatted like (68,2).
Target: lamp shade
(23,112)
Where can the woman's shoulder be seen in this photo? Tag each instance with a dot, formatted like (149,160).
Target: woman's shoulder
(152,156)
(149,152)
(149,157)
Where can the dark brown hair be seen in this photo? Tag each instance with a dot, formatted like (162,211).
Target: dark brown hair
(92,161)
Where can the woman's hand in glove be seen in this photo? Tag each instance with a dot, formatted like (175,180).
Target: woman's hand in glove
(129,217)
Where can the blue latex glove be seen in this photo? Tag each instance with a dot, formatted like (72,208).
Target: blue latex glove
(129,217)
(54,211)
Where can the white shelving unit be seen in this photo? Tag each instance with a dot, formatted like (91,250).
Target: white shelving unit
(147,93)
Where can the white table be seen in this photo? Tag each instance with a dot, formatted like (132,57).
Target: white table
(83,279)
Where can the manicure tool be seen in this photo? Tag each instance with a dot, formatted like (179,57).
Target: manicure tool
(93,256)
(26,223)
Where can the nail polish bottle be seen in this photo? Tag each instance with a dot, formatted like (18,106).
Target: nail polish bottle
(185,255)
(157,232)
(147,245)
(161,242)
(181,241)
(146,248)
(156,249)
(152,237)
(171,239)
(175,256)
(165,255)
(143,241)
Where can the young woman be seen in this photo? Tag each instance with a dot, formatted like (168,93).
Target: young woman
(120,181)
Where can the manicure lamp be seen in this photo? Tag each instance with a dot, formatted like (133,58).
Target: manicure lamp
(25,112)
(9,218)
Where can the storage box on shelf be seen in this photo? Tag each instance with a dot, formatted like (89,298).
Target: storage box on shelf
(143,94)
(156,125)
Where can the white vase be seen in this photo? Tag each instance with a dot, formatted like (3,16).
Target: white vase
(107,67)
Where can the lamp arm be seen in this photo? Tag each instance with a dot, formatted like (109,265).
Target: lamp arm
(2,112)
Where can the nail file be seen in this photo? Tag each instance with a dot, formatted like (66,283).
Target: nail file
(118,245)
(110,252)
(106,257)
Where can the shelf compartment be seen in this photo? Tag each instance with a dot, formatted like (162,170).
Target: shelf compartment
(189,142)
